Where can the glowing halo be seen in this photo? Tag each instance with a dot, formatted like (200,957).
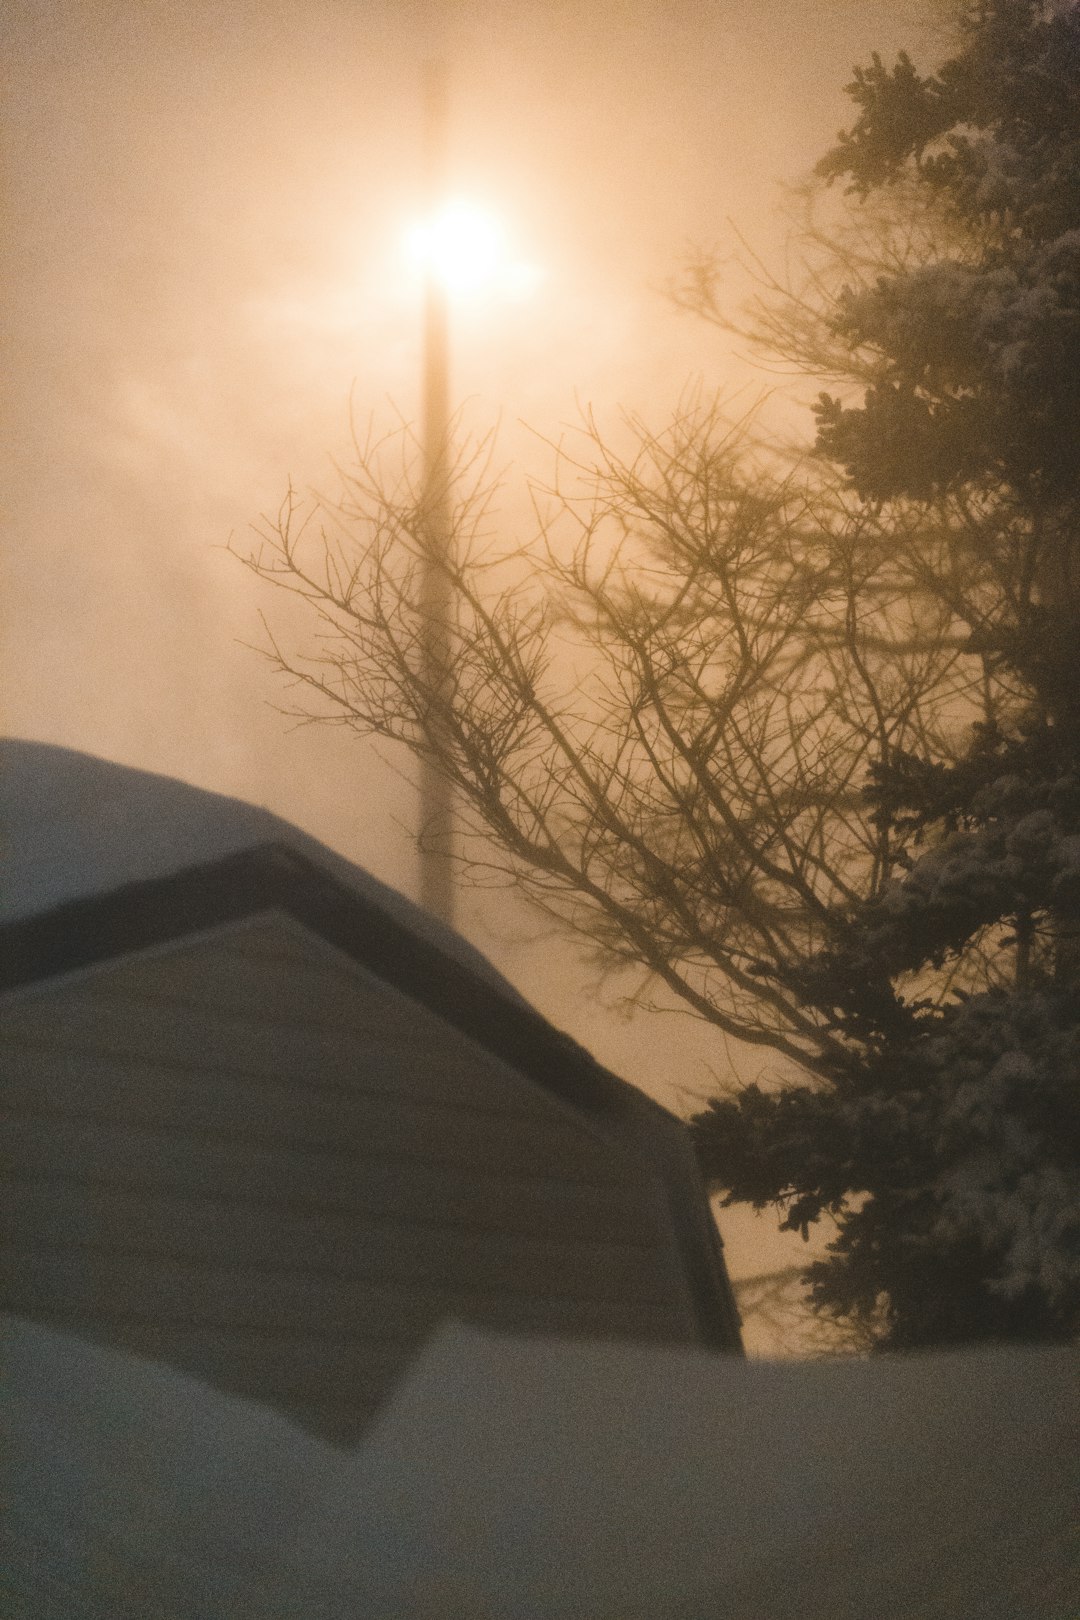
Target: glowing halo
(464,246)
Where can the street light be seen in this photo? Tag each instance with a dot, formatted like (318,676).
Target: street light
(460,244)
(436,591)
(460,249)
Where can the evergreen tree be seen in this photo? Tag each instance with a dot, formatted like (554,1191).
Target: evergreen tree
(946,1141)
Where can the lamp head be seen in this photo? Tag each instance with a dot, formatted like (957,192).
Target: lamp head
(463,246)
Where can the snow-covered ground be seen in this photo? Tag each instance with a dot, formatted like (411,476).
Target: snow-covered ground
(519,1479)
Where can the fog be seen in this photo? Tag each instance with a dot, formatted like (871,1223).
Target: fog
(205,211)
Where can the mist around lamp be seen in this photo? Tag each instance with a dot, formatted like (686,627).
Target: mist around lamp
(464,246)
(461,243)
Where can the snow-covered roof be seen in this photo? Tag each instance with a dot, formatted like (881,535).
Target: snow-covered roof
(551,1480)
(74,826)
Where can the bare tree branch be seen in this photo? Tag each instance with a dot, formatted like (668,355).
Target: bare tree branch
(659,714)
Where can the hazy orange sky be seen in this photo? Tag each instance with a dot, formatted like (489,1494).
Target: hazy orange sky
(202,261)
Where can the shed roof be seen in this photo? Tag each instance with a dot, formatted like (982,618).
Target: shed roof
(103,860)
(74,826)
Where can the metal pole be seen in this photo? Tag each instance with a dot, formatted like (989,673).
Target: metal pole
(436,592)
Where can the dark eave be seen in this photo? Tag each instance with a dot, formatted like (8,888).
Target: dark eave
(88,932)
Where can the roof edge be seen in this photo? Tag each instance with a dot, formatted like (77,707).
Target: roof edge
(138,916)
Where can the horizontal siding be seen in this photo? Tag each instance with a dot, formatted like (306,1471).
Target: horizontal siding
(273,937)
(248,1159)
(47,1216)
(150,1161)
(279,1113)
(301,990)
(426,1060)
(99,1285)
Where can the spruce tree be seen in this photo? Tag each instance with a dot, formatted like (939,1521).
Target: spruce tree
(945,1142)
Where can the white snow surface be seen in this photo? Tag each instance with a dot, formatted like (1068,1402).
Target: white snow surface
(73,825)
(530,1479)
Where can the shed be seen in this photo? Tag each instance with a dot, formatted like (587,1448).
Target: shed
(269,1123)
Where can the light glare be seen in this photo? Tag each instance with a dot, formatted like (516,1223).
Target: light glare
(465,248)
(463,245)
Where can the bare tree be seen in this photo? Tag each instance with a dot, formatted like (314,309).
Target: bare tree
(658,714)
(777,1321)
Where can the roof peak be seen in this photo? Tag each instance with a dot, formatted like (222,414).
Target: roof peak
(75,826)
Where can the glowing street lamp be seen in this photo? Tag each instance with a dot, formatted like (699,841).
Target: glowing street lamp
(460,245)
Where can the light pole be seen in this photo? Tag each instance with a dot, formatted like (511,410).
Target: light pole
(436,588)
(462,249)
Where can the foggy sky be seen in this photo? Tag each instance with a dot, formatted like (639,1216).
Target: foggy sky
(205,203)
